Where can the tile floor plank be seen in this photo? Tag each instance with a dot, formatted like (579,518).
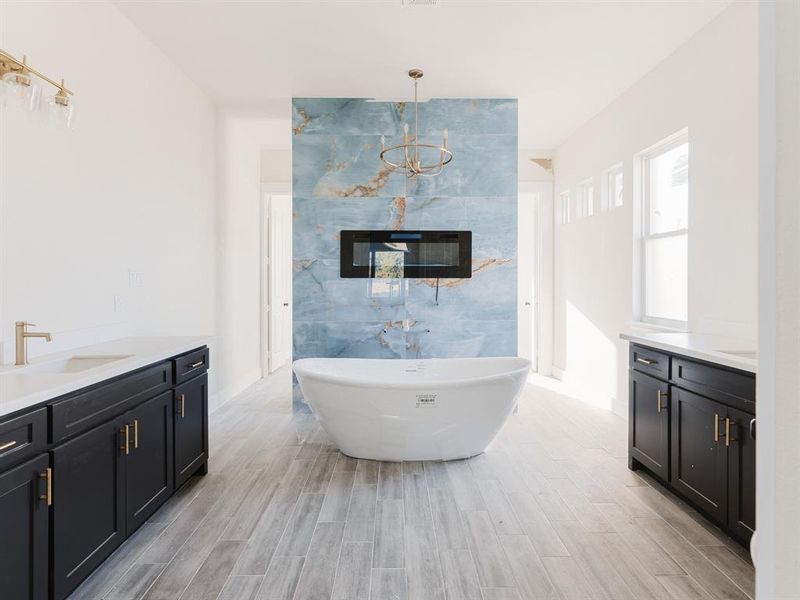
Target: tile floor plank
(389,584)
(423,569)
(266,536)
(281,579)
(447,519)
(529,572)
(213,573)
(367,471)
(297,535)
(337,499)
(389,550)
(691,560)
(390,481)
(363,502)
(241,587)
(491,562)
(569,579)
(537,526)
(416,503)
(354,572)
(683,587)
(503,516)
(179,572)
(319,570)
(500,594)
(739,571)
(135,582)
(460,575)
(116,565)
(320,475)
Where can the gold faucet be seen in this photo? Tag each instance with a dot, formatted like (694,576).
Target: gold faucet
(22,335)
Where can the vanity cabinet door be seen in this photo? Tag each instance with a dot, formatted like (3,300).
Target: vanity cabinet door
(648,425)
(191,428)
(149,468)
(741,474)
(24,531)
(699,456)
(88,503)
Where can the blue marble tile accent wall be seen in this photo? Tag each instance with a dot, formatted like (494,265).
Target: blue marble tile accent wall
(340,183)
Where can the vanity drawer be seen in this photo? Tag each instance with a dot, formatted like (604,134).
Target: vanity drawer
(98,404)
(650,361)
(190,365)
(734,388)
(22,437)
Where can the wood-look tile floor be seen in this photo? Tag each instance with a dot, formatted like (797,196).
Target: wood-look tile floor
(549,512)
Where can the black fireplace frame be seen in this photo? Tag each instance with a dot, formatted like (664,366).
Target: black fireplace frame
(463,270)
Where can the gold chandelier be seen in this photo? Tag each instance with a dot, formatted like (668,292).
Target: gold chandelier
(406,157)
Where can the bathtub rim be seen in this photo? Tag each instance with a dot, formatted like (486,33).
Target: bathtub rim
(303,372)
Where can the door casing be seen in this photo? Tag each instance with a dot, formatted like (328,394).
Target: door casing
(273,298)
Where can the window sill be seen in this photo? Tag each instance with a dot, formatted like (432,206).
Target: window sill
(645,326)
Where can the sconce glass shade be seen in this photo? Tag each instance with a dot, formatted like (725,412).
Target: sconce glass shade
(60,109)
(21,89)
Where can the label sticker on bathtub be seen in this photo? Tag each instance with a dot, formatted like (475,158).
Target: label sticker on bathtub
(426,400)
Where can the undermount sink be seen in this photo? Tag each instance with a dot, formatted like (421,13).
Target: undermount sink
(71,364)
(743,353)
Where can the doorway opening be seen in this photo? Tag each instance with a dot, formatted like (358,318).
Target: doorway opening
(276,279)
(534,274)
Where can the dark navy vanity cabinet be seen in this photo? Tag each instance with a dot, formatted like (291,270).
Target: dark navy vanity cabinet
(80,473)
(692,425)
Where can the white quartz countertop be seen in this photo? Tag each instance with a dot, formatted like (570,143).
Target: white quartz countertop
(23,387)
(726,351)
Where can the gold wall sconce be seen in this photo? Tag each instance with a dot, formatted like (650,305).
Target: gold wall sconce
(19,85)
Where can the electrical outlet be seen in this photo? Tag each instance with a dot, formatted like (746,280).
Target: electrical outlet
(118,303)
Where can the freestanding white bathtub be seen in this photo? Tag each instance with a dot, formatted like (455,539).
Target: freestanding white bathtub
(396,410)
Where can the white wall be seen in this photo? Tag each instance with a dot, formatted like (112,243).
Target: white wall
(130,187)
(778,454)
(242,138)
(710,86)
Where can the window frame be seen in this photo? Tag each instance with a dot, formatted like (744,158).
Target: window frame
(644,159)
(584,198)
(564,210)
(607,199)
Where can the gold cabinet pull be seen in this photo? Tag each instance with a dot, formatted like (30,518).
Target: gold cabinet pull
(182,400)
(136,434)
(716,427)
(126,446)
(8,445)
(48,495)
(197,364)
(727,431)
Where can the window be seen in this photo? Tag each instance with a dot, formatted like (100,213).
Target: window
(563,208)
(611,197)
(585,199)
(665,232)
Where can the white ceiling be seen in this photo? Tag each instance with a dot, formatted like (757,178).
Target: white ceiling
(564,60)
